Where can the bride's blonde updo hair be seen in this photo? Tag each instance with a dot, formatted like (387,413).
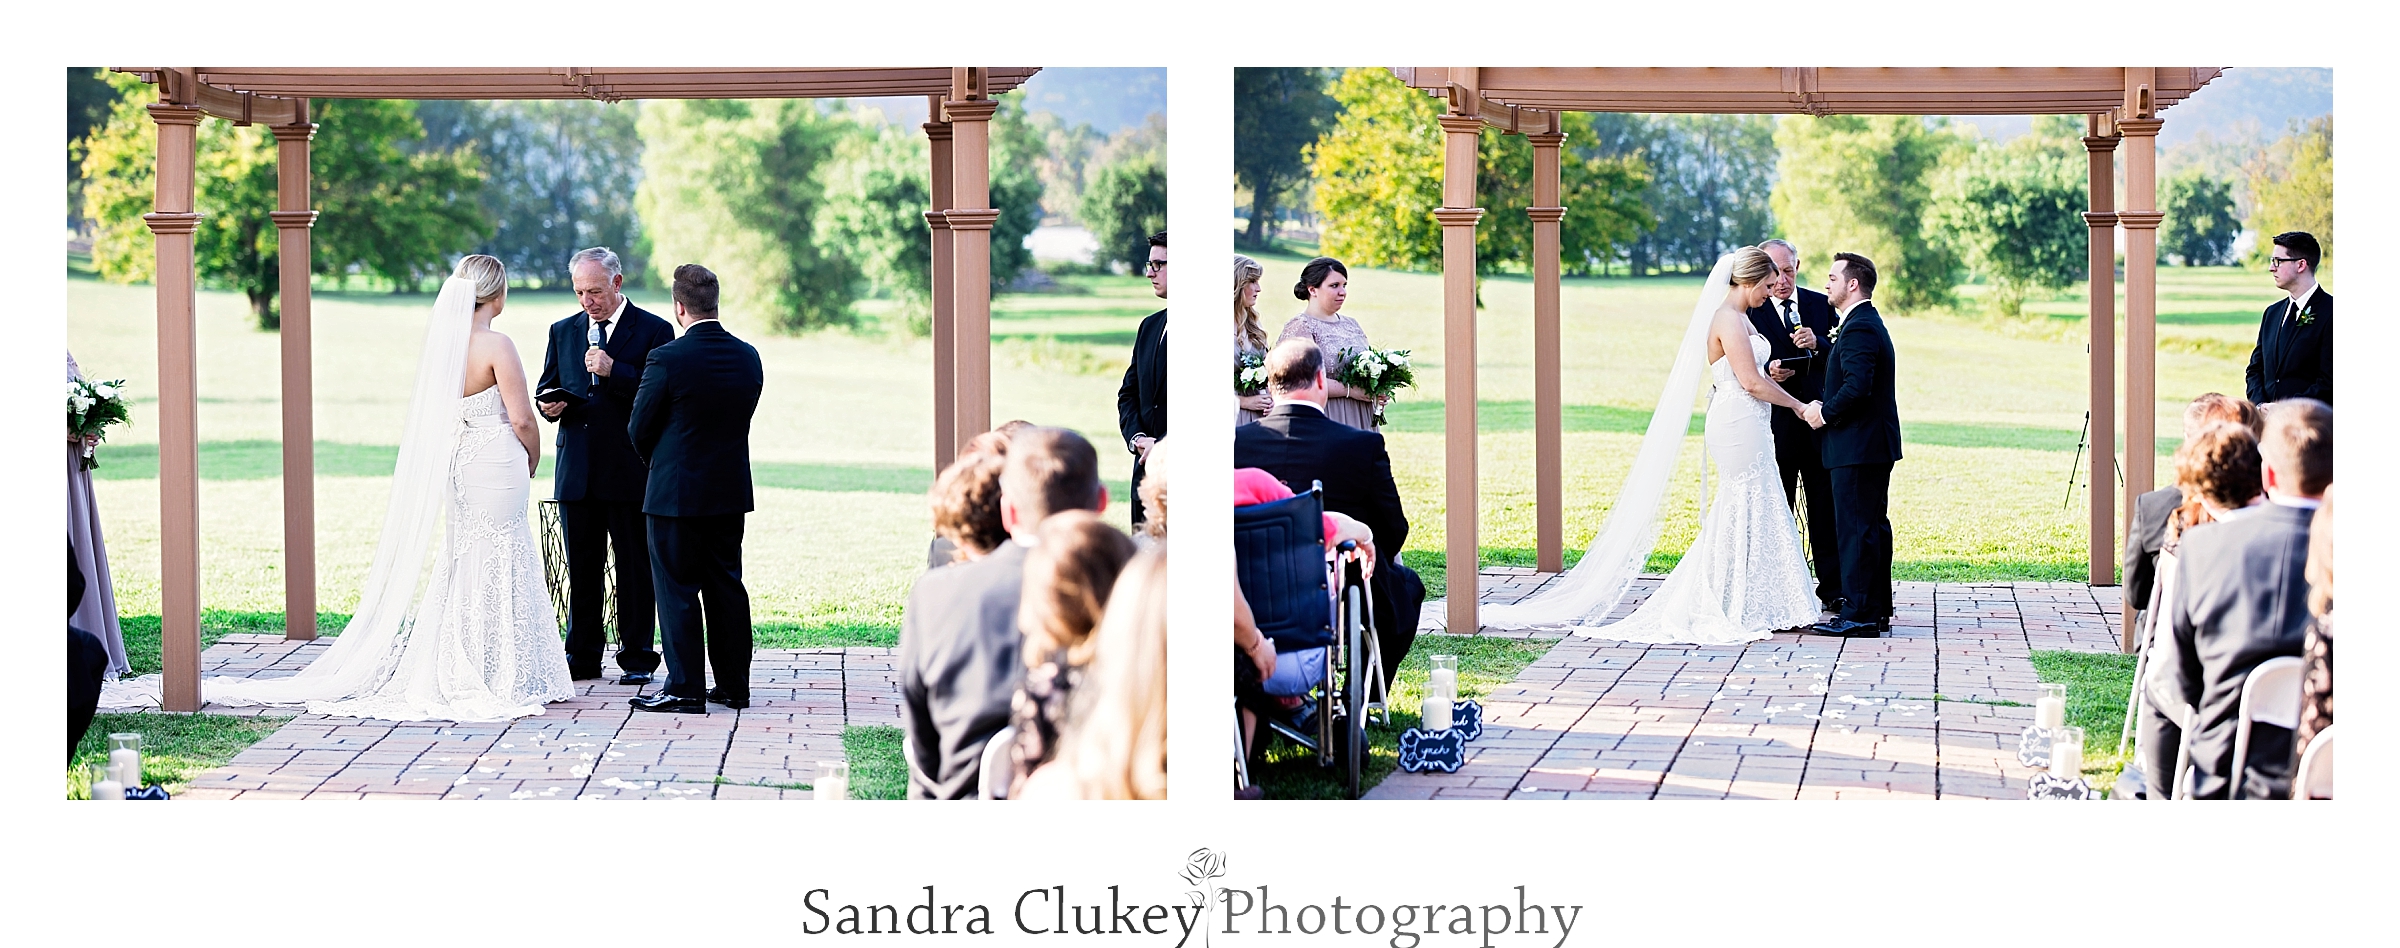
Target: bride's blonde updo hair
(1751,265)
(489,274)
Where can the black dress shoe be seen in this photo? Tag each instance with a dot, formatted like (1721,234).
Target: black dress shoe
(1848,628)
(633,678)
(670,703)
(718,696)
(1835,607)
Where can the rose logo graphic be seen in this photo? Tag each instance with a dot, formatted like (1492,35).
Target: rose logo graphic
(1201,866)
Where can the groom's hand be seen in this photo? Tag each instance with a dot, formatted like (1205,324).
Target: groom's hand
(597,362)
(1814,414)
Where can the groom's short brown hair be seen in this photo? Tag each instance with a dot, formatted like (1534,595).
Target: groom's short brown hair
(1858,268)
(696,289)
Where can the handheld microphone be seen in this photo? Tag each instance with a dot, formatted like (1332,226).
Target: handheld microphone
(594,336)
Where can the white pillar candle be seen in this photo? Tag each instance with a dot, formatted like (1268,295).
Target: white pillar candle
(2066,761)
(125,764)
(1444,683)
(108,788)
(2050,711)
(833,780)
(1437,712)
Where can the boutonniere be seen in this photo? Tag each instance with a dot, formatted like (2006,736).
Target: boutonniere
(2306,316)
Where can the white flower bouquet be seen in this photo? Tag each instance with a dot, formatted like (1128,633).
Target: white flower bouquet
(1249,373)
(91,408)
(1378,372)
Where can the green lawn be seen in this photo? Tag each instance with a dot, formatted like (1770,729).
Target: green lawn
(1991,410)
(842,444)
(1292,773)
(174,746)
(877,770)
(2097,685)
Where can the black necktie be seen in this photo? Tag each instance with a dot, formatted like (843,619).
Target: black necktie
(1783,309)
(600,333)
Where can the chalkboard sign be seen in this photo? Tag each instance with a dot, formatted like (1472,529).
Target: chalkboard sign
(2049,787)
(1422,750)
(152,792)
(2033,746)
(1466,717)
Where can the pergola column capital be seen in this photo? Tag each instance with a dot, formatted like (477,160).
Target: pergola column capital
(970,218)
(970,110)
(937,131)
(172,222)
(165,114)
(1461,124)
(2140,220)
(293,220)
(1546,139)
(1546,215)
(938,220)
(2101,142)
(1458,216)
(294,133)
(2140,128)
(2100,218)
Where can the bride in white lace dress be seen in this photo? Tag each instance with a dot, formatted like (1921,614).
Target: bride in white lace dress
(1744,576)
(481,642)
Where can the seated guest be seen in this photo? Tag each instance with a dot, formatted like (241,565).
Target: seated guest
(1153,494)
(1298,444)
(958,634)
(1067,578)
(2316,684)
(966,503)
(2218,468)
(1264,678)
(2149,527)
(2242,598)
(1253,661)
(1115,743)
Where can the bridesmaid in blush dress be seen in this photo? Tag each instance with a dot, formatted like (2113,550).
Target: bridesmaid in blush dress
(1325,284)
(98,614)
(1249,338)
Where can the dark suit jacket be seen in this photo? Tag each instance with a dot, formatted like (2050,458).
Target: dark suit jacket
(1298,444)
(2142,541)
(1142,399)
(595,459)
(2293,360)
(958,669)
(691,422)
(2241,599)
(1862,415)
(1808,380)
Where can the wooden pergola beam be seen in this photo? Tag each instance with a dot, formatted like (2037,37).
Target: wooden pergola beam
(1815,90)
(594,82)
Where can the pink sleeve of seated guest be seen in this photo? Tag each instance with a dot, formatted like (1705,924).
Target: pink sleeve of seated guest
(1254,486)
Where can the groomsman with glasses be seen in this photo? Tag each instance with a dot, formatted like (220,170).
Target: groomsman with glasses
(1796,321)
(1142,398)
(2294,358)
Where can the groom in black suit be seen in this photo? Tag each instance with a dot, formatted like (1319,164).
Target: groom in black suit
(1860,422)
(598,480)
(2294,358)
(1795,321)
(691,422)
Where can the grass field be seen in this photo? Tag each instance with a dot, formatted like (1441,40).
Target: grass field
(1991,411)
(842,444)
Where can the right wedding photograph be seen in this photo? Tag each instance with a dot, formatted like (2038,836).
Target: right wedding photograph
(1783,433)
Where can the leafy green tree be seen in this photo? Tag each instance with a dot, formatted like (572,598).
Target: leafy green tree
(1277,113)
(1710,180)
(2200,224)
(1018,150)
(90,99)
(1379,177)
(2015,211)
(1125,204)
(1860,184)
(736,186)
(560,176)
(876,195)
(382,211)
(2292,187)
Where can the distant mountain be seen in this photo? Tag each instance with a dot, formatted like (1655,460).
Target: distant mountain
(1108,99)
(2239,97)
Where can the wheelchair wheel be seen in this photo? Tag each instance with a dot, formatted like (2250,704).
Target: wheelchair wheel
(1354,690)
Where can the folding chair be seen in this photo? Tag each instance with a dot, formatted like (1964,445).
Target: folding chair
(2316,768)
(2270,695)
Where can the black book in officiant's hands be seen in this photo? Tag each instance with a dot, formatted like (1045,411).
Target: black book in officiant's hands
(560,395)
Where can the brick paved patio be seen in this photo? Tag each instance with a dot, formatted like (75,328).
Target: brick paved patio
(592,747)
(1790,716)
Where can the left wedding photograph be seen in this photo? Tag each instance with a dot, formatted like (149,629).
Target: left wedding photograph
(539,433)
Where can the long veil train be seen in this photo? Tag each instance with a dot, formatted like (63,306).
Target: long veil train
(1585,595)
(368,647)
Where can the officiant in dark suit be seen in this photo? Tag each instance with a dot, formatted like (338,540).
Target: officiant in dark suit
(691,423)
(1860,422)
(1298,444)
(2294,357)
(1142,398)
(590,372)
(1797,321)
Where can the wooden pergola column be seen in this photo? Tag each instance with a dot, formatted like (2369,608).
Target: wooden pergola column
(1549,490)
(946,439)
(2141,219)
(293,219)
(971,218)
(172,223)
(1458,216)
(2101,263)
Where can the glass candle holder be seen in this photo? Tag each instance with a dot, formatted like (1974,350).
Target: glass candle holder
(2050,710)
(1437,711)
(833,780)
(1444,680)
(2066,753)
(104,785)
